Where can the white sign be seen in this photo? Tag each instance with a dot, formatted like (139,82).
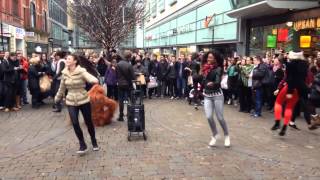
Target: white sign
(38,49)
(20,33)
(29,34)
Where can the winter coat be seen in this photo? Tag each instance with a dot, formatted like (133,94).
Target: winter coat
(140,70)
(125,74)
(172,73)
(75,83)
(245,72)
(162,73)
(153,68)
(258,74)
(102,67)
(315,89)
(34,74)
(268,79)
(9,73)
(110,77)
(180,69)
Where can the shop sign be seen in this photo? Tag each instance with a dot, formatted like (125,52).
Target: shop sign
(29,34)
(283,35)
(305,41)
(271,41)
(307,24)
(20,33)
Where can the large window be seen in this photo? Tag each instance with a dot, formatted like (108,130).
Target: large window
(44,27)
(15,7)
(33,14)
(153,5)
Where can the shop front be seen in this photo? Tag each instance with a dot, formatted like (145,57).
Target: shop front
(286,32)
(36,43)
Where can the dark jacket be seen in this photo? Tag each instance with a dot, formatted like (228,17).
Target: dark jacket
(297,71)
(257,76)
(1,70)
(140,70)
(213,76)
(9,74)
(34,74)
(102,67)
(153,68)
(172,73)
(315,89)
(110,77)
(125,74)
(269,77)
(181,73)
(162,73)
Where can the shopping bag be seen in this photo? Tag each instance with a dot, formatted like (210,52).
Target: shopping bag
(45,83)
(153,82)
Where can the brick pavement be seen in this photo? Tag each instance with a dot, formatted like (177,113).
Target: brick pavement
(38,144)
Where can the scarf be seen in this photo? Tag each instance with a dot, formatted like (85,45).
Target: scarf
(207,68)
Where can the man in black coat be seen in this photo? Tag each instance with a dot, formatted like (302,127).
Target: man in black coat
(162,77)
(9,80)
(125,75)
(1,86)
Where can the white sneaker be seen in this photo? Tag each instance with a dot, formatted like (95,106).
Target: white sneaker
(229,102)
(213,141)
(172,97)
(1,108)
(227,141)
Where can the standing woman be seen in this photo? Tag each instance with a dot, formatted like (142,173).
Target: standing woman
(74,79)
(213,95)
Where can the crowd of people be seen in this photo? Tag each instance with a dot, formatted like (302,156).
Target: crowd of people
(248,82)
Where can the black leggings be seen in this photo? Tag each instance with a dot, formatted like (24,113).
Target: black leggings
(86,113)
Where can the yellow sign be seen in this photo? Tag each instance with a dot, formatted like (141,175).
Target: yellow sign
(305,41)
(307,24)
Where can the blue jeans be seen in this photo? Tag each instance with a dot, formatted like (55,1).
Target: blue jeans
(123,94)
(181,86)
(23,87)
(258,101)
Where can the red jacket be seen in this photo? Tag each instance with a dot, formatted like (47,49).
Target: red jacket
(25,68)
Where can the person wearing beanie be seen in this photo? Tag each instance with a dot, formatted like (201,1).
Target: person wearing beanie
(292,87)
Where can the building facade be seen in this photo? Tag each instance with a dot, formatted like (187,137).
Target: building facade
(277,25)
(11,26)
(181,27)
(36,26)
(58,23)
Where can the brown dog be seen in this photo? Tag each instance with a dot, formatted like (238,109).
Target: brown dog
(102,107)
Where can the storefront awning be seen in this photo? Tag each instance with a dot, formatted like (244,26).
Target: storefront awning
(293,4)
(255,10)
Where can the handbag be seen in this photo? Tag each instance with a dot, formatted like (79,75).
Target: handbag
(45,83)
(141,79)
(152,83)
(224,82)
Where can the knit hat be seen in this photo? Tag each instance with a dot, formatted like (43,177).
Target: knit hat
(296,55)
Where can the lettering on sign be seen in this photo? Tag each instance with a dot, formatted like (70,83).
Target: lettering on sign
(307,24)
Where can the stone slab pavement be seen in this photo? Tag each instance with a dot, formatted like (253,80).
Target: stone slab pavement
(39,144)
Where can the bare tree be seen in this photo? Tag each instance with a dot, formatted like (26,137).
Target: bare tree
(107,22)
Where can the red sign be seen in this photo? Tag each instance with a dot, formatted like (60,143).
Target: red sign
(283,35)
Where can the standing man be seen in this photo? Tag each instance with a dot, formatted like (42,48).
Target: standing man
(162,77)
(125,75)
(58,66)
(9,71)
(24,77)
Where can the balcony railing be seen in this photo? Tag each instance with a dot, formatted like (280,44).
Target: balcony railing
(243,3)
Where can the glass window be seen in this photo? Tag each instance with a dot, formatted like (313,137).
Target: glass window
(161,5)
(33,14)
(15,7)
